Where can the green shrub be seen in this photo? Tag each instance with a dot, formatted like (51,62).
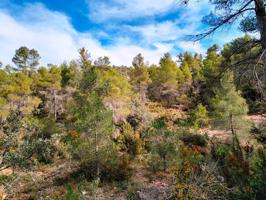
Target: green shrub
(4,179)
(114,166)
(129,142)
(132,192)
(154,163)
(194,139)
(72,195)
(89,186)
(162,147)
(199,117)
(159,123)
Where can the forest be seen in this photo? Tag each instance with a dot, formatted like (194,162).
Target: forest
(191,127)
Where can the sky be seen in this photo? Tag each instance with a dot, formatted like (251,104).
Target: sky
(119,29)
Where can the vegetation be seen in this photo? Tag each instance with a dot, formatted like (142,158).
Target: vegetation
(191,128)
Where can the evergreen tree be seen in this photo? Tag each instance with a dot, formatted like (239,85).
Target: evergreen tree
(26,59)
(199,117)
(211,64)
(140,77)
(48,87)
(89,74)
(227,100)
(168,72)
(250,14)
(102,61)
(115,90)
(70,75)
(92,119)
(229,108)
(211,71)
(95,122)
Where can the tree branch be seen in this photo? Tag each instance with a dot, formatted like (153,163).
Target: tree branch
(227,20)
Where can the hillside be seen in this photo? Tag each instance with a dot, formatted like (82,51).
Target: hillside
(133,100)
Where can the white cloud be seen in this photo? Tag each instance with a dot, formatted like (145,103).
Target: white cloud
(164,31)
(187,22)
(194,47)
(52,34)
(125,10)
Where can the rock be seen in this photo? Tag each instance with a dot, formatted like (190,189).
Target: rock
(156,191)
(6,172)
(2,194)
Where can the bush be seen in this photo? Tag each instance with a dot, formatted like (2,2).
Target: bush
(197,177)
(4,179)
(260,132)
(132,192)
(159,123)
(116,168)
(129,142)
(162,147)
(113,166)
(89,186)
(154,163)
(194,139)
(72,195)
(43,150)
(199,117)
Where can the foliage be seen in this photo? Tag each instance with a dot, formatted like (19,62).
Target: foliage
(6,179)
(72,195)
(194,139)
(26,58)
(20,150)
(162,146)
(129,140)
(140,77)
(192,172)
(68,114)
(132,192)
(260,132)
(93,120)
(199,117)
(228,104)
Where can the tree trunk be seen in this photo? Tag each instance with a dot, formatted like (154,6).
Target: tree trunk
(236,143)
(97,163)
(54,97)
(261,19)
(97,156)
(232,125)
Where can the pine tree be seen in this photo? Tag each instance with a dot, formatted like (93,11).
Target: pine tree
(26,59)
(89,74)
(48,86)
(228,101)
(92,118)
(211,72)
(140,77)
(168,72)
(229,108)
(95,122)
(199,117)
(70,75)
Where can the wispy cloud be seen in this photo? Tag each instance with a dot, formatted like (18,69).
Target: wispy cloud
(189,46)
(125,10)
(164,31)
(52,34)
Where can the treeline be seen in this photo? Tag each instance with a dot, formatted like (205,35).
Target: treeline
(99,115)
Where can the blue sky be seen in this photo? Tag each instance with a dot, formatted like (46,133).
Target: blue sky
(119,29)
